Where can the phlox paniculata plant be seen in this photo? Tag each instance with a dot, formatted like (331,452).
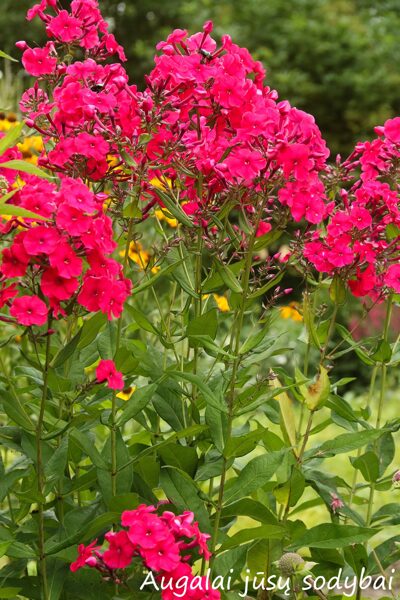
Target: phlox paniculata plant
(144,254)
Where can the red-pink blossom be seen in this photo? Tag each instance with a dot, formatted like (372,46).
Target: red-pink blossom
(106,371)
(29,310)
(38,61)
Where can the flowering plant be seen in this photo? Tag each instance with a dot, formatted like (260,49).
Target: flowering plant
(145,260)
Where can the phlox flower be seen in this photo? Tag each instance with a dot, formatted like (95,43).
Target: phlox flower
(148,532)
(37,61)
(392,278)
(53,285)
(120,551)
(106,371)
(85,553)
(164,556)
(29,310)
(41,240)
(6,293)
(65,28)
(15,260)
(65,261)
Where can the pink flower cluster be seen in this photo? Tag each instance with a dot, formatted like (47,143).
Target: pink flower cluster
(164,543)
(63,258)
(361,243)
(217,117)
(206,108)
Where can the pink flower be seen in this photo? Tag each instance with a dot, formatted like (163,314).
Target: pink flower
(72,220)
(120,551)
(336,502)
(148,532)
(85,553)
(263,228)
(392,278)
(37,61)
(15,260)
(392,129)
(53,285)
(65,261)
(92,146)
(6,293)
(94,290)
(106,371)
(41,240)
(65,28)
(77,195)
(163,557)
(245,164)
(29,310)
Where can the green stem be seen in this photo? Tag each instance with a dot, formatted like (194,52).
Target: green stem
(382,394)
(355,475)
(113,427)
(41,480)
(235,346)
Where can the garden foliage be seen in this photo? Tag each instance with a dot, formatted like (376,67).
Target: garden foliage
(150,413)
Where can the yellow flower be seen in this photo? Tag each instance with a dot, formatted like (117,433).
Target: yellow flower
(291,312)
(126,393)
(161,183)
(222,303)
(139,256)
(7,122)
(161,216)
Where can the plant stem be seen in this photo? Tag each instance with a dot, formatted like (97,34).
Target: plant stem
(382,395)
(114,462)
(40,470)
(235,346)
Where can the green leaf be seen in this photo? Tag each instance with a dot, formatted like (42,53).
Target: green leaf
(205,324)
(87,445)
(14,409)
(7,57)
(141,319)
(17,211)
(254,475)
(9,592)
(356,556)
(136,403)
(368,465)
(244,444)
(383,353)
(173,207)
(185,494)
(265,532)
(11,137)
(250,508)
(209,397)
(331,535)
(25,167)
(345,443)
(66,351)
(229,278)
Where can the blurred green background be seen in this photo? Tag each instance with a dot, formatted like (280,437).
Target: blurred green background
(338,59)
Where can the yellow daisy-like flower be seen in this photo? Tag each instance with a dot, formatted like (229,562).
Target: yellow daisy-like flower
(161,216)
(291,312)
(126,393)
(222,302)
(161,183)
(30,148)
(7,122)
(139,256)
